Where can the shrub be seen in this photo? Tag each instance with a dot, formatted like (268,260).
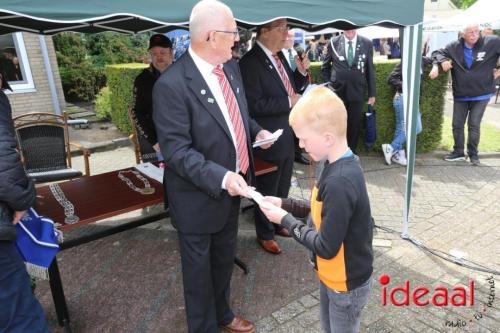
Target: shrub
(120,80)
(103,104)
(431,106)
(81,82)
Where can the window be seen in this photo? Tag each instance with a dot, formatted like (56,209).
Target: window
(14,63)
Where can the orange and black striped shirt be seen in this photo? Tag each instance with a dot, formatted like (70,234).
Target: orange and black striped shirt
(339,229)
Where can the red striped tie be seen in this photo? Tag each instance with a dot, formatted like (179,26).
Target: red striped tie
(284,76)
(234,114)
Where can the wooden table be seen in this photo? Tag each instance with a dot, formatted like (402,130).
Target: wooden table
(96,198)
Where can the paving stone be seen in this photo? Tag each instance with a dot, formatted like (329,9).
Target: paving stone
(308,301)
(266,324)
(308,317)
(288,312)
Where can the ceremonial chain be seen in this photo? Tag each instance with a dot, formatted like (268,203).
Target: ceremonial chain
(69,208)
(147,189)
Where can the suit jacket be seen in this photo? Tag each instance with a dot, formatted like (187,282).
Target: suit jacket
(268,101)
(350,82)
(197,145)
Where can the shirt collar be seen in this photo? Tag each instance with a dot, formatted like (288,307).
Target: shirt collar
(204,66)
(354,41)
(265,49)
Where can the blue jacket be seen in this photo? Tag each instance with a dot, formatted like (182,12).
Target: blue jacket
(17,192)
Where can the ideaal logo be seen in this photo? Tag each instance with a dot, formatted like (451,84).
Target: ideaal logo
(459,295)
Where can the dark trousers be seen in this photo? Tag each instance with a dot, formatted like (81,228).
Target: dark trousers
(276,184)
(474,110)
(207,266)
(19,309)
(354,112)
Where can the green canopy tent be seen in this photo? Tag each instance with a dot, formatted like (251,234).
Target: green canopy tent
(46,17)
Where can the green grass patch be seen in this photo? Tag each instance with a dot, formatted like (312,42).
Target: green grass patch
(490,137)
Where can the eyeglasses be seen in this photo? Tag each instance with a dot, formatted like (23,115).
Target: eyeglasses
(235,33)
(281,28)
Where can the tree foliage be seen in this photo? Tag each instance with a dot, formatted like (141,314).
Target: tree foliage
(82,58)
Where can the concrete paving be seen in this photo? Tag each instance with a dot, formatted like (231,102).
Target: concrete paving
(132,282)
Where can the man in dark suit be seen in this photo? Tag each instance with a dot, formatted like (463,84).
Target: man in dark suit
(272,90)
(348,65)
(205,135)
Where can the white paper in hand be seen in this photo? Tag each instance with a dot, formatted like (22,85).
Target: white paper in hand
(270,139)
(259,199)
(151,170)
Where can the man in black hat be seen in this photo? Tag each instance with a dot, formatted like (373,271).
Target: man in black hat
(160,52)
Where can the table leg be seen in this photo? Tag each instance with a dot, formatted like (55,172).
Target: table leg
(58,295)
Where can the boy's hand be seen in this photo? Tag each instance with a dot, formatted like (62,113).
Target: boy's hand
(273,200)
(273,213)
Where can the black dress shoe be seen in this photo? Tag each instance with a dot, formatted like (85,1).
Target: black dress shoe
(301,158)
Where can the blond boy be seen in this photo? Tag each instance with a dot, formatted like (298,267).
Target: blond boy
(339,229)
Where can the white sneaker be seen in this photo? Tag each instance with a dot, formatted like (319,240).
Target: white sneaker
(399,157)
(388,152)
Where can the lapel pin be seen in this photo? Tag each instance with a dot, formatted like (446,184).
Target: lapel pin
(231,76)
(203,91)
(237,90)
(210,100)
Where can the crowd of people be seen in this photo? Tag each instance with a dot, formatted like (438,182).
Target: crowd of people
(202,112)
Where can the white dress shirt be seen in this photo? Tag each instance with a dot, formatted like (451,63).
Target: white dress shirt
(212,81)
(354,41)
(269,55)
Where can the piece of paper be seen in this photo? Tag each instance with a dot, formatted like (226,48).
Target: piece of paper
(151,170)
(271,139)
(259,199)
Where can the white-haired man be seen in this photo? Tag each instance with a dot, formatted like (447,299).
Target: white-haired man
(205,135)
(472,60)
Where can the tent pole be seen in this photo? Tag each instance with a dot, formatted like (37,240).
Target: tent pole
(50,75)
(411,94)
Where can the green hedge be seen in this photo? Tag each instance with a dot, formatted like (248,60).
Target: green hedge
(120,80)
(431,107)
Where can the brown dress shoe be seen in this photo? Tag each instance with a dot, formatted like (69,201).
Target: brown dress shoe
(283,232)
(239,325)
(269,245)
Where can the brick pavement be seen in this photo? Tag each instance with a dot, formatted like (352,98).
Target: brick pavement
(454,207)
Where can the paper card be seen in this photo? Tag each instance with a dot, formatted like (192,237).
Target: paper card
(259,199)
(271,139)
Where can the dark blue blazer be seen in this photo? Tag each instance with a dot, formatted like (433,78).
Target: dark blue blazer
(197,145)
(268,99)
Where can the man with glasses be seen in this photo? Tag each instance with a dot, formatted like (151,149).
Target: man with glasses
(272,89)
(472,60)
(205,135)
(348,66)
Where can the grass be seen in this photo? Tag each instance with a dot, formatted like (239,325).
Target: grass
(490,137)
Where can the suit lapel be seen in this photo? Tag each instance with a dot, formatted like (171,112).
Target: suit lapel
(269,66)
(204,95)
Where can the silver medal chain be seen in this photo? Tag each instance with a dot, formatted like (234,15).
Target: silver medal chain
(129,182)
(69,208)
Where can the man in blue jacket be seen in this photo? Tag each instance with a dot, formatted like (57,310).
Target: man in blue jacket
(19,309)
(472,60)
